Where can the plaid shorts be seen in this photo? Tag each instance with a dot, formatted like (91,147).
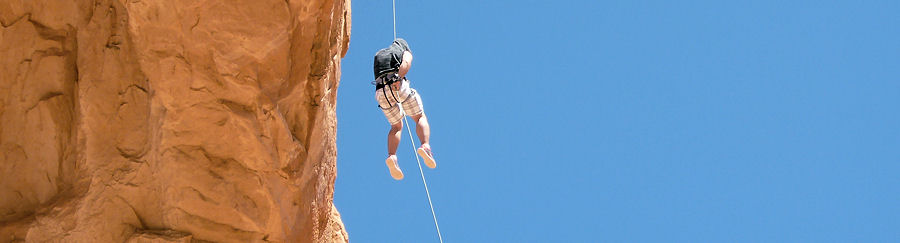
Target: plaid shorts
(412,103)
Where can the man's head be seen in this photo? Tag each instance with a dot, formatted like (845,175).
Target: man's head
(407,53)
(402,44)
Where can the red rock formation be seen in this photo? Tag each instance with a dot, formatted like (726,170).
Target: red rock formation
(170,121)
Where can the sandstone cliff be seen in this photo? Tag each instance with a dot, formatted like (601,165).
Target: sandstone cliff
(170,121)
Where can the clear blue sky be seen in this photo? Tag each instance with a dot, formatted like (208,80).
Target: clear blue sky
(631,121)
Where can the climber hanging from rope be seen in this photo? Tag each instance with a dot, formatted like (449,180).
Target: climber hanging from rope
(397,100)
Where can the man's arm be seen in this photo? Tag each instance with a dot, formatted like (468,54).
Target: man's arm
(405,64)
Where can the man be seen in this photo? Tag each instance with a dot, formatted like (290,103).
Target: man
(391,90)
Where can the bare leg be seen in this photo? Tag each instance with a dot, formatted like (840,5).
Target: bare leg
(424,132)
(423,129)
(394,136)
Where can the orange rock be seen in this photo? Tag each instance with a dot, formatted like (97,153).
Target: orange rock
(170,121)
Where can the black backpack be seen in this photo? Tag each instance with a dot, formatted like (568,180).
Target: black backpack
(388,59)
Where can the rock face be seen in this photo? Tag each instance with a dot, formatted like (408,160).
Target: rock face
(170,121)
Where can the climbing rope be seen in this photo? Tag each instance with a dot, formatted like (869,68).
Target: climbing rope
(411,139)
(394,9)
(413,144)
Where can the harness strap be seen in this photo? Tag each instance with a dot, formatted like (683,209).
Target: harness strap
(393,95)
(385,83)
(385,80)
(386,98)
(411,94)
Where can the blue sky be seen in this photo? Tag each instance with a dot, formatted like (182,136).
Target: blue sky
(631,121)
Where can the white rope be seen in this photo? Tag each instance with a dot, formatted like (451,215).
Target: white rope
(413,143)
(394,9)
(411,139)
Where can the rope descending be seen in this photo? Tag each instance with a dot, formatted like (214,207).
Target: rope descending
(411,139)
(418,163)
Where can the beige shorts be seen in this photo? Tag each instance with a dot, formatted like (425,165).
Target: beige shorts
(412,103)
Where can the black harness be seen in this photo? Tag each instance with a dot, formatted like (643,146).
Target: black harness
(386,81)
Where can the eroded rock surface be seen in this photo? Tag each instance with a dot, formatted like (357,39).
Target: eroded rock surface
(170,121)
